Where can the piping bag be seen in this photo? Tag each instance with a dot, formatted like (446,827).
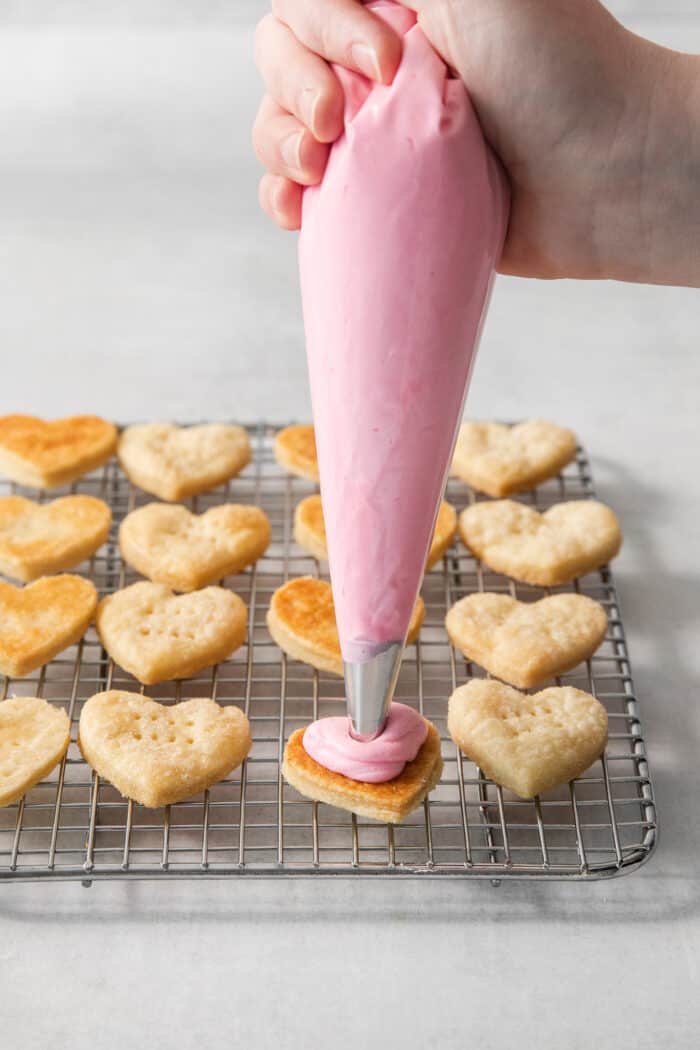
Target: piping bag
(397,252)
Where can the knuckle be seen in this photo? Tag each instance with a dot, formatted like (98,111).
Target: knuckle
(258,140)
(262,35)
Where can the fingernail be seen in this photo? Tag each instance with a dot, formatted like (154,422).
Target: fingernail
(291,150)
(365,58)
(309,106)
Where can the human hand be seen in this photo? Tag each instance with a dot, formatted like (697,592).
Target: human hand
(578,109)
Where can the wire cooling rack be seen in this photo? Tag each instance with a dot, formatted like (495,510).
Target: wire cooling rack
(75,826)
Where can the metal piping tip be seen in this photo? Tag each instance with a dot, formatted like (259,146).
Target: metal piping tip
(370,687)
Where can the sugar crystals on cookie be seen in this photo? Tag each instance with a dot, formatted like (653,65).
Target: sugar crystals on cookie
(526,642)
(527,743)
(500,460)
(175,463)
(185,551)
(566,541)
(34,737)
(159,754)
(157,636)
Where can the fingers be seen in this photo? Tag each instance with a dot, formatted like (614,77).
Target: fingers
(343,31)
(281,200)
(285,147)
(298,80)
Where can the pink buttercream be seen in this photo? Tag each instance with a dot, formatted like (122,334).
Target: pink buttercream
(329,743)
(397,254)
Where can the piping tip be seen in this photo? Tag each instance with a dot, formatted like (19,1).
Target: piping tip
(369,686)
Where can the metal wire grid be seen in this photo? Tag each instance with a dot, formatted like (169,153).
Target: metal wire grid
(75,826)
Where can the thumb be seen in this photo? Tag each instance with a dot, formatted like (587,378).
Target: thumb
(435,17)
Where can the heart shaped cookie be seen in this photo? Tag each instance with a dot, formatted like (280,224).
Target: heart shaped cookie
(48,454)
(186,551)
(568,540)
(157,636)
(38,539)
(527,743)
(310,530)
(158,754)
(301,619)
(500,460)
(34,737)
(175,463)
(41,620)
(389,802)
(295,450)
(525,642)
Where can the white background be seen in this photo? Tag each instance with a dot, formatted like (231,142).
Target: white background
(137,279)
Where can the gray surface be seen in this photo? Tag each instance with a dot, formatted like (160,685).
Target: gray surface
(137,279)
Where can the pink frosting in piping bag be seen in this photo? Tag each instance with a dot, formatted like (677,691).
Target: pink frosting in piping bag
(397,254)
(330,744)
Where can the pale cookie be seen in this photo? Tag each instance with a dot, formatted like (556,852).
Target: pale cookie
(527,743)
(526,642)
(175,463)
(310,530)
(157,636)
(158,754)
(501,460)
(48,454)
(186,551)
(301,619)
(389,802)
(41,620)
(295,450)
(38,539)
(568,540)
(34,737)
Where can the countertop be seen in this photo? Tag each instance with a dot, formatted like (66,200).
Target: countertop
(138,280)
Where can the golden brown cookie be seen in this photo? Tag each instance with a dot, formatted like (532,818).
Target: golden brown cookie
(444,534)
(390,802)
(186,551)
(501,460)
(48,454)
(526,642)
(295,450)
(568,540)
(34,737)
(175,463)
(41,620)
(523,742)
(301,619)
(159,754)
(38,539)
(310,530)
(157,636)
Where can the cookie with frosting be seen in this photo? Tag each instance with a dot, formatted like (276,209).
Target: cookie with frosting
(385,778)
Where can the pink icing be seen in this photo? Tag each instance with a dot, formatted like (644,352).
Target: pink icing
(329,743)
(397,254)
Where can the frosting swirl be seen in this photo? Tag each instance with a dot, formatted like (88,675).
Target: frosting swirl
(329,743)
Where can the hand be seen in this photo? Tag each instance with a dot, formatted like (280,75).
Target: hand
(302,110)
(596,127)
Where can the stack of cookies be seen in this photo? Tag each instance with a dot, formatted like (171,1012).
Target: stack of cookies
(152,632)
